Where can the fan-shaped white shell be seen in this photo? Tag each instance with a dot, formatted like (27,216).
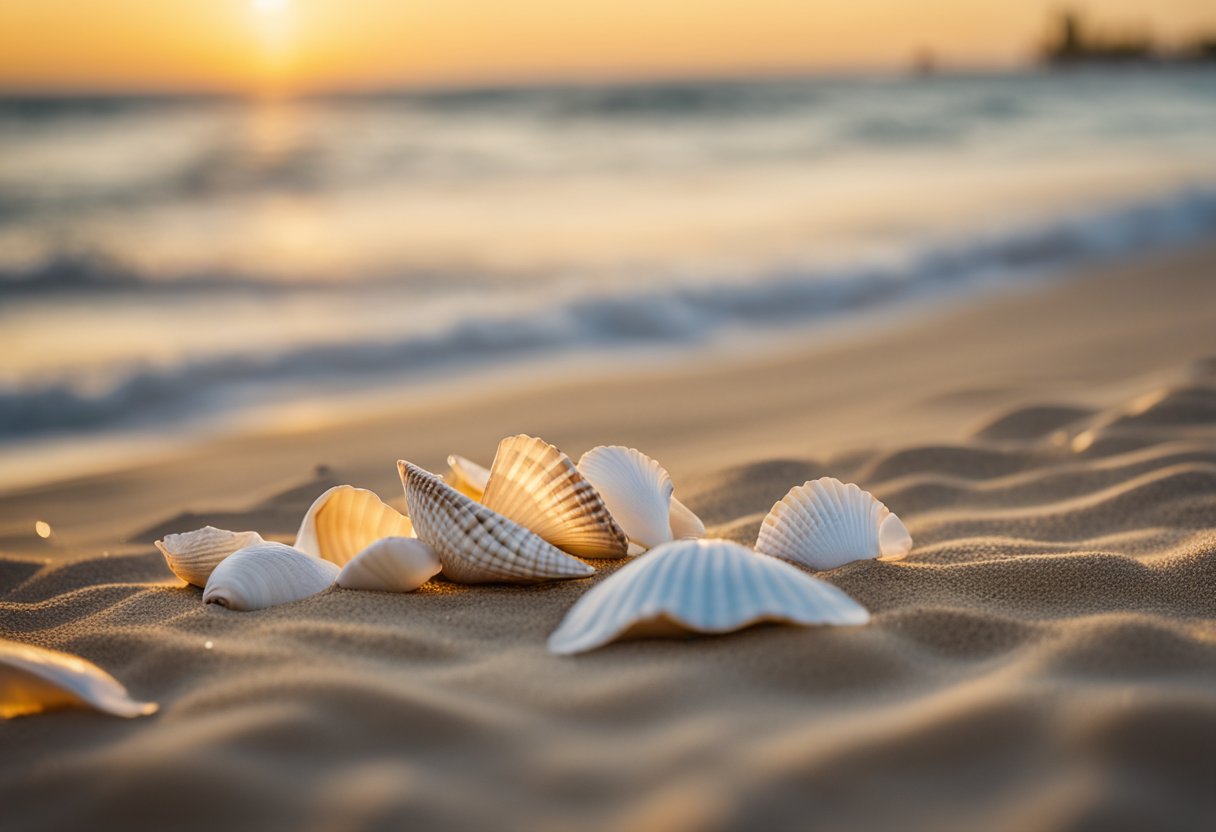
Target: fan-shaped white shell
(537,486)
(34,679)
(345,520)
(266,574)
(636,489)
(478,545)
(684,523)
(393,564)
(703,586)
(467,476)
(192,555)
(825,523)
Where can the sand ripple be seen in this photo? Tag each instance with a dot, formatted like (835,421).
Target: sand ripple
(1045,659)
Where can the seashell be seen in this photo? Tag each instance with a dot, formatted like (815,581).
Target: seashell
(192,555)
(825,523)
(345,520)
(266,574)
(476,544)
(467,477)
(700,586)
(34,679)
(537,486)
(392,564)
(684,523)
(636,489)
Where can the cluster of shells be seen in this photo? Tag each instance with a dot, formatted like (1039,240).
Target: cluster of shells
(534,515)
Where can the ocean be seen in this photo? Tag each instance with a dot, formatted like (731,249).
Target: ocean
(172,267)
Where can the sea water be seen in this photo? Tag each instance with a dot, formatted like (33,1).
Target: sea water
(173,264)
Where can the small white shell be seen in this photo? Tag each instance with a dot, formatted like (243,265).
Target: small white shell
(345,520)
(537,486)
(825,523)
(702,586)
(266,574)
(467,477)
(192,555)
(683,522)
(478,545)
(34,679)
(393,564)
(636,489)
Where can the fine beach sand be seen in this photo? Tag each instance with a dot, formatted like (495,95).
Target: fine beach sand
(1044,659)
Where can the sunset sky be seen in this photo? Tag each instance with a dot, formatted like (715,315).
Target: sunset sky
(249,45)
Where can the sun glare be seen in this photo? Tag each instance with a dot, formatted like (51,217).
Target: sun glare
(270,6)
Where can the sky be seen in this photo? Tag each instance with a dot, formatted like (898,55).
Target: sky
(308,45)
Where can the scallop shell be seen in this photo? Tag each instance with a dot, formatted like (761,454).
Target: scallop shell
(345,520)
(636,489)
(478,545)
(392,564)
(266,574)
(192,555)
(467,477)
(825,523)
(34,679)
(700,586)
(537,486)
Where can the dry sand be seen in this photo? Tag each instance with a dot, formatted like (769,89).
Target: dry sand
(1045,658)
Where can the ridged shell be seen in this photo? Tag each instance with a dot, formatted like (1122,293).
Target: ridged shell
(475,544)
(636,489)
(467,476)
(393,564)
(266,574)
(193,555)
(346,520)
(537,486)
(701,586)
(34,679)
(825,523)
(684,523)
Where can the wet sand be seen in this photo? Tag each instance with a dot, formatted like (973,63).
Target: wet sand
(1044,659)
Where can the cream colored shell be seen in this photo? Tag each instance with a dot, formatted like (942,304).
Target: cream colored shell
(825,523)
(345,520)
(636,489)
(701,586)
(684,523)
(266,574)
(34,679)
(192,555)
(537,486)
(392,564)
(476,544)
(467,477)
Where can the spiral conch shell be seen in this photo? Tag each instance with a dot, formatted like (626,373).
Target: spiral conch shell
(193,555)
(34,679)
(346,520)
(392,564)
(537,486)
(700,586)
(638,493)
(476,544)
(825,523)
(266,574)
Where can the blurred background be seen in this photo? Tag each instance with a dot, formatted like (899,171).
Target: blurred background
(224,214)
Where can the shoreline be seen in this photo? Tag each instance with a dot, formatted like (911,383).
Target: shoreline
(807,402)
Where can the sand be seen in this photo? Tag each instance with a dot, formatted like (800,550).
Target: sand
(1044,659)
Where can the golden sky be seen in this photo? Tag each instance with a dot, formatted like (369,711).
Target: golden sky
(317,44)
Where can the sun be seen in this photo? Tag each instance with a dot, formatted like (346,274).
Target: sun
(270,6)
